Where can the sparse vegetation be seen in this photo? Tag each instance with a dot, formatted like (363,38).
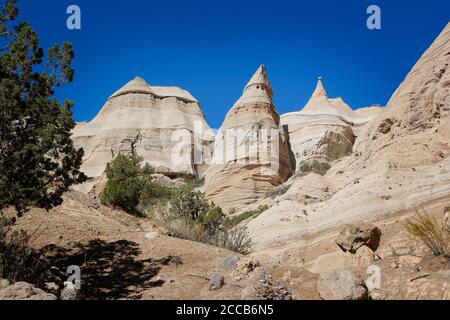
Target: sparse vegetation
(131,187)
(434,233)
(279,191)
(18,262)
(315,166)
(196,182)
(188,215)
(251,214)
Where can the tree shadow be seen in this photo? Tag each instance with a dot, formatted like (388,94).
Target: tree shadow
(109,270)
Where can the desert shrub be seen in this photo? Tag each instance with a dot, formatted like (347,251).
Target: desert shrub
(279,191)
(188,215)
(251,214)
(315,166)
(18,261)
(153,192)
(236,239)
(434,233)
(196,182)
(130,185)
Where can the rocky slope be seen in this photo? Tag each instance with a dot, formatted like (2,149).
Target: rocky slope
(397,170)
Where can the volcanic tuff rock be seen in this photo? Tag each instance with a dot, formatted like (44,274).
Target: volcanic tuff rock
(160,119)
(400,162)
(251,152)
(325,128)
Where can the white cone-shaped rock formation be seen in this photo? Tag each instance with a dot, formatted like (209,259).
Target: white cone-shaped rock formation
(164,117)
(322,130)
(251,153)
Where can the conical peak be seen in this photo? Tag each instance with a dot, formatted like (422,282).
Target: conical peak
(320,90)
(260,79)
(137,85)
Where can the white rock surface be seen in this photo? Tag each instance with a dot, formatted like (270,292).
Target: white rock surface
(251,154)
(162,115)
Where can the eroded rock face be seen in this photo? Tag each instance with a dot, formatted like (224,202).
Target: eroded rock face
(251,152)
(419,104)
(24,291)
(324,128)
(165,118)
(341,285)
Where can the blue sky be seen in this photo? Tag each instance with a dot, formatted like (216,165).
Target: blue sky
(211,48)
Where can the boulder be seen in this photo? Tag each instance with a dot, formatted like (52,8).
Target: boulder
(341,285)
(216,282)
(245,266)
(229,263)
(363,257)
(24,291)
(354,236)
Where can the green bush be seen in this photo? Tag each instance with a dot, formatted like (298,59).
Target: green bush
(188,215)
(130,186)
(234,221)
(315,166)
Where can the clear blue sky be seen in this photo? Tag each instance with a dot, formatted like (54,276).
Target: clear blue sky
(211,48)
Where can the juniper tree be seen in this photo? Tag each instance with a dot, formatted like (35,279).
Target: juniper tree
(38,161)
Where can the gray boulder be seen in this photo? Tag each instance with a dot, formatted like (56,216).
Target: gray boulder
(229,263)
(341,285)
(216,282)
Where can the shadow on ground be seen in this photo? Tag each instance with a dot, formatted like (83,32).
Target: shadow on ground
(109,270)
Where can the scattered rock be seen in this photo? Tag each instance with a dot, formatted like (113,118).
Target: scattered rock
(229,263)
(52,287)
(342,285)
(354,236)
(267,289)
(260,274)
(244,267)
(217,281)
(363,257)
(24,291)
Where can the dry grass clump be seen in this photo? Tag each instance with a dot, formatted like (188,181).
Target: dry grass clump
(433,232)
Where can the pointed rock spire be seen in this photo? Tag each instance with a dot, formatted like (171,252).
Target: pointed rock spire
(137,85)
(320,90)
(260,79)
(319,102)
(257,92)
